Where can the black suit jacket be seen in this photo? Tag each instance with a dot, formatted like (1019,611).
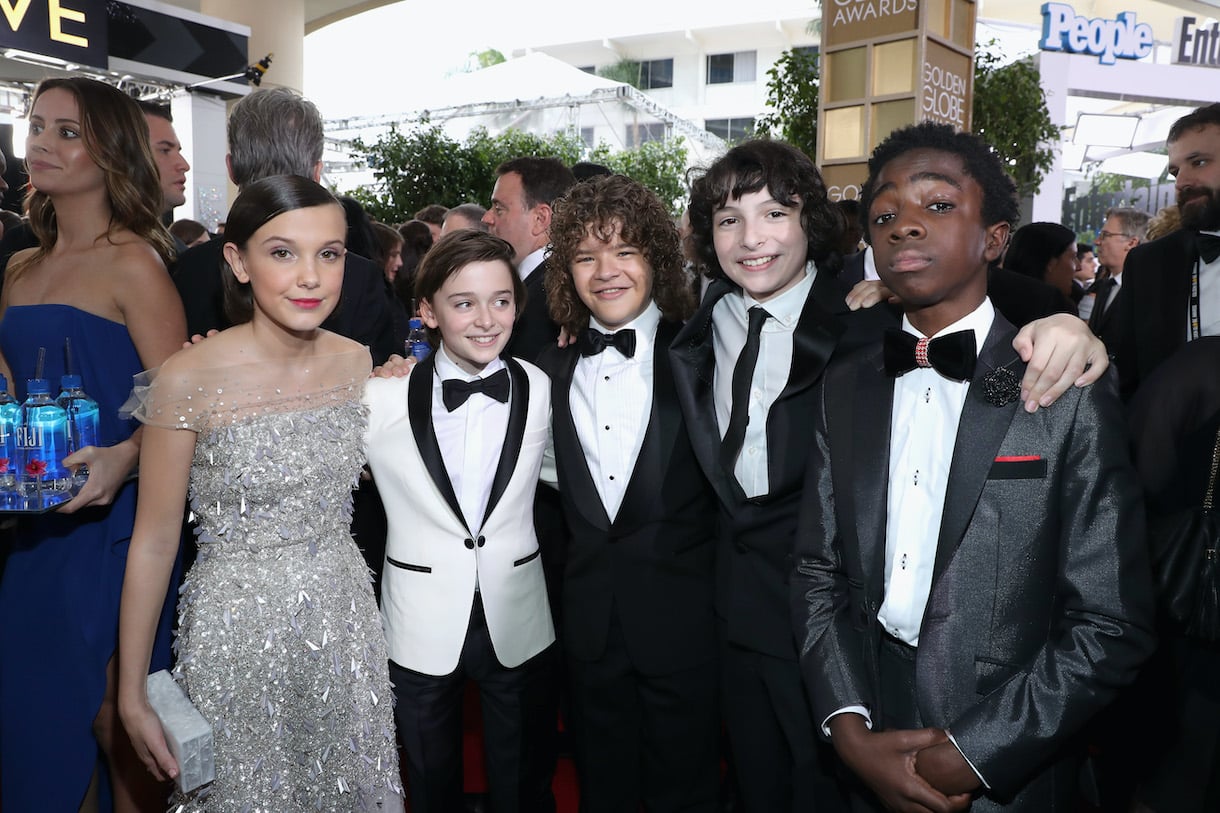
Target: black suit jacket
(1018,298)
(363,313)
(653,564)
(533,331)
(1153,309)
(1040,605)
(754,551)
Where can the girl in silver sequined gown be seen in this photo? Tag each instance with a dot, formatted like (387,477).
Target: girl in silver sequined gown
(280,643)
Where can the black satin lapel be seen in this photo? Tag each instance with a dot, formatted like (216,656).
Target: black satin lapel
(419,410)
(817,332)
(694,368)
(664,423)
(574,475)
(518,408)
(979,434)
(871,410)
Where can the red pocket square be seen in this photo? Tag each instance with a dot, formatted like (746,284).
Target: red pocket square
(1018,458)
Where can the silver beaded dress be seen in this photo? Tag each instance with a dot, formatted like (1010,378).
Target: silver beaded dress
(280,644)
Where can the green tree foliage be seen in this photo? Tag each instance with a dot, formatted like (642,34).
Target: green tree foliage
(484,59)
(625,70)
(423,165)
(792,97)
(1009,110)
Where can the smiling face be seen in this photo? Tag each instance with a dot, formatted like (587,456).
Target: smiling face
(929,240)
(294,266)
(1194,161)
(612,278)
(760,244)
(474,311)
(56,155)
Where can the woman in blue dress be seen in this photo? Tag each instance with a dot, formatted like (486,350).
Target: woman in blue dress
(98,279)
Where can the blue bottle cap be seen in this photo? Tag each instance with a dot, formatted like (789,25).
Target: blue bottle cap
(37,385)
(70,381)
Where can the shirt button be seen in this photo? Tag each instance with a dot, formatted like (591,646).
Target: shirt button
(607,378)
(611,476)
(607,428)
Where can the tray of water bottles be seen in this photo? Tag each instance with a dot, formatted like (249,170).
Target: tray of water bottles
(35,436)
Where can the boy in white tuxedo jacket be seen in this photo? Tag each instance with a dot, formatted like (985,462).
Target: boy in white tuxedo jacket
(456,448)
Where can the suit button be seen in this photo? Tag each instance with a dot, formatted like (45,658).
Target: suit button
(469,544)
(482,541)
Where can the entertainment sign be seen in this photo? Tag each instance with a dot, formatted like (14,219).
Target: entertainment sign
(1196,44)
(1108,40)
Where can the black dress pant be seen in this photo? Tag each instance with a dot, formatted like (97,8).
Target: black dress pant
(518,722)
(780,763)
(644,738)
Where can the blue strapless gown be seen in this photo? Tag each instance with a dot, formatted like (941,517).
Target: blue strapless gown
(59,598)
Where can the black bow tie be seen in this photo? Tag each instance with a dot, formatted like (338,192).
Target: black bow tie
(952,355)
(1209,247)
(594,341)
(454,391)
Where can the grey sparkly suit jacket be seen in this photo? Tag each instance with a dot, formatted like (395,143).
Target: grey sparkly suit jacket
(1041,604)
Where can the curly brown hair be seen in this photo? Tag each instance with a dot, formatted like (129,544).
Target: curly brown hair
(115,134)
(596,207)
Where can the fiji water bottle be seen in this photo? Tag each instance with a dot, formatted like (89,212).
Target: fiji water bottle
(10,419)
(82,418)
(417,340)
(42,440)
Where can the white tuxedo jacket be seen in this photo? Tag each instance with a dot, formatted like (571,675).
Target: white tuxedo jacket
(433,558)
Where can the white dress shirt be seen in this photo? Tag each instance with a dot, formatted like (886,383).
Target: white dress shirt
(730,321)
(611,402)
(1209,297)
(923,431)
(470,437)
(530,262)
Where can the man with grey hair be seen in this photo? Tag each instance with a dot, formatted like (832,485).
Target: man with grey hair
(1122,230)
(464,216)
(277,132)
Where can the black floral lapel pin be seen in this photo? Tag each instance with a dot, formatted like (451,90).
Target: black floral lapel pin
(1001,386)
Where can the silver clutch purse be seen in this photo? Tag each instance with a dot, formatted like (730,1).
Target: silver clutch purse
(187,733)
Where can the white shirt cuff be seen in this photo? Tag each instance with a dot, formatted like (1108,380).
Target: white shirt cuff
(949,734)
(861,710)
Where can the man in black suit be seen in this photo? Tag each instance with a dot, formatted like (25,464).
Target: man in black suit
(521,209)
(1163,308)
(637,627)
(745,366)
(276,132)
(971,582)
(1122,230)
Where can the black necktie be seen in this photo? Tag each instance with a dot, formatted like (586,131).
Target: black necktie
(1209,247)
(743,376)
(594,341)
(952,355)
(1105,291)
(454,391)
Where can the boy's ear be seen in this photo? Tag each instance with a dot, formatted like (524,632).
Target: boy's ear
(427,314)
(996,240)
(233,257)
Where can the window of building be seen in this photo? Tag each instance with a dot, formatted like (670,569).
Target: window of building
(736,67)
(656,73)
(730,129)
(638,134)
(586,135)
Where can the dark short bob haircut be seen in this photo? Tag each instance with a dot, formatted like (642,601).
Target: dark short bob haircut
(596,207)
(453,252)
(788,175)
(1034,245)
(258,204)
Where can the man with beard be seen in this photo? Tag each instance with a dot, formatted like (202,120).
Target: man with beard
(1173,284)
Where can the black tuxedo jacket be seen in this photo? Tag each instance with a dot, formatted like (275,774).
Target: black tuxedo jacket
(1153,308)
(1041,604)
(1018,298)
(363,313)
(754,551)
(653,564)
(533,331)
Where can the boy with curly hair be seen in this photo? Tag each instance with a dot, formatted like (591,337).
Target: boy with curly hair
(637,628)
